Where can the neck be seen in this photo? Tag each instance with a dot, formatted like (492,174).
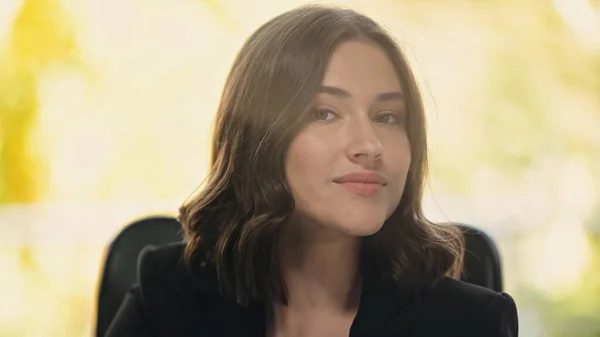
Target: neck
(320,269)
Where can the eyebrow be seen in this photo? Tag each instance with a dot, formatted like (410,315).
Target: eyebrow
(341,93)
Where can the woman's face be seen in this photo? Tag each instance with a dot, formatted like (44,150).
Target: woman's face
(347,167)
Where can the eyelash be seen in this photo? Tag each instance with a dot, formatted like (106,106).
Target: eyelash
(399,119)
(317,111)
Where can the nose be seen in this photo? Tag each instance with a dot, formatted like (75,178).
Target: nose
(364,146)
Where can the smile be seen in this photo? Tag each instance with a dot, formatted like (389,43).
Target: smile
(362,182)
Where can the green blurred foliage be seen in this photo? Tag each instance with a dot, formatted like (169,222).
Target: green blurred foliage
(575,314)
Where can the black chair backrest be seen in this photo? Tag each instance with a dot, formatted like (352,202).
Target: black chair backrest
(120,266)
(481,265)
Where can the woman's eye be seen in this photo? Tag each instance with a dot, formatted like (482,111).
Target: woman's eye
(389,119)
(324,115)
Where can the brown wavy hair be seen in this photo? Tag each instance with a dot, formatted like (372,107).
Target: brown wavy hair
(232,225)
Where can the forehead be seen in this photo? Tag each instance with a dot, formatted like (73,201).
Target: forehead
(359,66)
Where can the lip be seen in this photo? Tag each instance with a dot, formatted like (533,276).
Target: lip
(362,177)
(364,183)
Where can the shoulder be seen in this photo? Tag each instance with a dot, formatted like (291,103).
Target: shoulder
(162,266)
(162,271)
(458,294)
(170,296)
(467,310)
(165,262)
(179,304)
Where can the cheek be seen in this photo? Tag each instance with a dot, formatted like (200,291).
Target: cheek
(308,170)
(297,161)
(307,159)
(398,164)
(402,163)
(397,153)
(299,172)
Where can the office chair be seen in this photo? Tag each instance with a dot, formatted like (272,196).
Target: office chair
(481,264)
(120,265)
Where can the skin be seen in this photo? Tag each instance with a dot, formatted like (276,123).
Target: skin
(356,125)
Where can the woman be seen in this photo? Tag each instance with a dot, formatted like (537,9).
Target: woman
(310,221)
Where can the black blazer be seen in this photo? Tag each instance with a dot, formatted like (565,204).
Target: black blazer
(167,303)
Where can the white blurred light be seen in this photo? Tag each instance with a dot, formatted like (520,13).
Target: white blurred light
(8,10)
(582,18)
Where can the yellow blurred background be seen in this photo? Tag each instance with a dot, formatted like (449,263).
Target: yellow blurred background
(106,108)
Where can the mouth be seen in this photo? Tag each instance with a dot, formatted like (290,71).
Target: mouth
(364,177)
(362,182)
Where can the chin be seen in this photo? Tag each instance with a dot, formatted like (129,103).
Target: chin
(362,228)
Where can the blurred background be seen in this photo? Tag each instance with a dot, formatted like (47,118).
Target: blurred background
(106,109)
